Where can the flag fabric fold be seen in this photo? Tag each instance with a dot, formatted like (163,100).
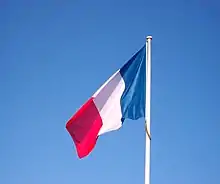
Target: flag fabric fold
(121,97)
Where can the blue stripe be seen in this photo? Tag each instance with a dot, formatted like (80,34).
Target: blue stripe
(133,97)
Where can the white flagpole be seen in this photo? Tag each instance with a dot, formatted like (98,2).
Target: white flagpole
(147,109)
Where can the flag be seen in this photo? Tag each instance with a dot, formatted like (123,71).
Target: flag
(121,97)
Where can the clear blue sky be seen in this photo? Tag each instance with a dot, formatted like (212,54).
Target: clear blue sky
(55,54)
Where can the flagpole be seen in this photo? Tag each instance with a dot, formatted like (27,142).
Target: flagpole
(147,110)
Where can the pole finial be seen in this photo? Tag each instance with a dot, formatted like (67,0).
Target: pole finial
(149,37)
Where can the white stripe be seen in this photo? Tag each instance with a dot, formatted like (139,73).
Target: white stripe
(107,100)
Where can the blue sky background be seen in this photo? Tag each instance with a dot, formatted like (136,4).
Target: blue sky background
(55,54)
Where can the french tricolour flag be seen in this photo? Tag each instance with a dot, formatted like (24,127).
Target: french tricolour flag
(122,96)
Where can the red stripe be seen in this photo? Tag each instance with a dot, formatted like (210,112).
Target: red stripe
(84,127)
